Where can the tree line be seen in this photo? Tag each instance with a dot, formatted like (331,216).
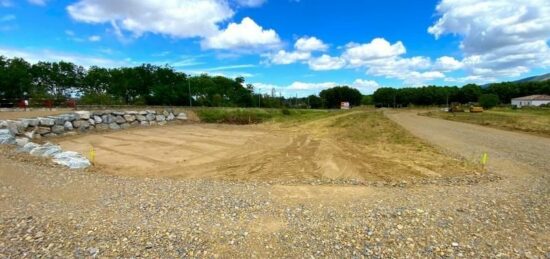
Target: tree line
(497,93)
(144,85)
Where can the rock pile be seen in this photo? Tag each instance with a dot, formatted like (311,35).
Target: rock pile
(83,121)
(70,159)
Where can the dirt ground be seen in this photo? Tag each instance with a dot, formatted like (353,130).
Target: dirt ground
(49,211)
(309,152)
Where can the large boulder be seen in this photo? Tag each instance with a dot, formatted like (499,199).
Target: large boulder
(31,122)
(144,123)
(68,126)
(6,137)
(72,160)
(108,118)
(143,113)
(69,117)
(83,115)
(170,117)
(182,116)
(98,119)
(131,112)
(3,124)
(58,129)
(46,121)
(150,116)
(160,118)
(119,119)
(165,113)
(46,150)
(58,120)
(81,124)
(20,142)
(124,126)
(27,148)
(13,127)
(119,113)
(114,126)
(129,117)
(91,121)
(43,130)
(141,118)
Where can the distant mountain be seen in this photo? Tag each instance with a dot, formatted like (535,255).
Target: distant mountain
(535,78)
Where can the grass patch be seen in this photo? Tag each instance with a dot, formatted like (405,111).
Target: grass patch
(244,116)
(531,120)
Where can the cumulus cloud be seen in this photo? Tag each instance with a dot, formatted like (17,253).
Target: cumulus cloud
(326,62)
(360,54)
(447,64)
(365,86)
(310,44)
(499,37)
(283,57)
(190,18)
(244,35)
(303,49)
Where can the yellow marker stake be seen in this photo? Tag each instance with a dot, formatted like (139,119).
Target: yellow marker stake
(484,158)
(92,154)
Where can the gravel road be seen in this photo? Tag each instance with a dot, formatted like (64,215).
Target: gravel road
(48,211)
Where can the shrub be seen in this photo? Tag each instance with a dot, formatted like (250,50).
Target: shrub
(488,101)
(285,111)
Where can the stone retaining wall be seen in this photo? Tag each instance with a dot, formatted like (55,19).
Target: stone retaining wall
(21,132)
(83,121)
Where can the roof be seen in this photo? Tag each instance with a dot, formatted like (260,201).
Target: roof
(537,97)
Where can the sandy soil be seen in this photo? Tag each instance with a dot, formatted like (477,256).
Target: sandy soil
(257,152)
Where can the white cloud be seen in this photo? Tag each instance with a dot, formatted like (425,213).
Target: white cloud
(94,38)
(326,62)
(283,57)
(181,19)
(54,56)
(310,44)
(365,86)
(246,35)
(500,38)
(360,54)
(303,48)
(37,2)
(447,64)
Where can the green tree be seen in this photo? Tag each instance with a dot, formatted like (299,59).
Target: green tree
(488,101)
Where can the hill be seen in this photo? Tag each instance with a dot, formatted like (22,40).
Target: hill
(539,78)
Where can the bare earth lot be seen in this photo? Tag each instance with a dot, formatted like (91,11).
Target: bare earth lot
(283,207)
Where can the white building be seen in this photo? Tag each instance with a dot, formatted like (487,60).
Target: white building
(531,100)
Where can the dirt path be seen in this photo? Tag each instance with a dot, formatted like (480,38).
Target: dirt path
(510,153)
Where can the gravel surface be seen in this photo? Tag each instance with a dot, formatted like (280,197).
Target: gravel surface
(49,211)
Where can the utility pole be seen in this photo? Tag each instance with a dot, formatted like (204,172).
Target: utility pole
(189,86)
(259,98)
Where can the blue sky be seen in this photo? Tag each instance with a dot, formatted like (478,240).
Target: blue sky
(296,46)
